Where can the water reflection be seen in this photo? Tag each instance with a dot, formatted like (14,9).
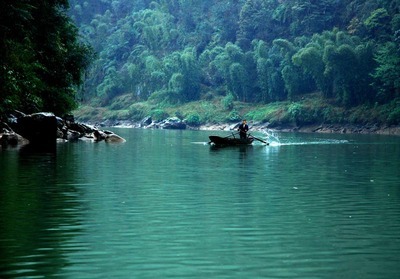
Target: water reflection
(160,206)
(38,211)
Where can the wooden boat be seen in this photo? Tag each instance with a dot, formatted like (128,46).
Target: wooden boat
(230,141)
(234,141)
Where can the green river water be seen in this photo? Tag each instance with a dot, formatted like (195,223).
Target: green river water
(167,205)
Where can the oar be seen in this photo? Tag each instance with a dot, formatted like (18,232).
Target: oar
(263,141)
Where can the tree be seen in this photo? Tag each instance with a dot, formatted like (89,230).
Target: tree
(378,24)
(310,60)
(386,75)
(42,59)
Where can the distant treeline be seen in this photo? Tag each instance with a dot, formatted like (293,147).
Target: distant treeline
(260,51)
(41,59)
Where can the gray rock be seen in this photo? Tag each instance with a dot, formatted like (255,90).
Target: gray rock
(146,121)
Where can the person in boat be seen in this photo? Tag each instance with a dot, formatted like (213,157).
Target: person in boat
(243,128)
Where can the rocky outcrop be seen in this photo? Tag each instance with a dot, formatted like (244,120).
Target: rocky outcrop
(177,123)
(45,128)
(8,137)
(37,128)
(171,123)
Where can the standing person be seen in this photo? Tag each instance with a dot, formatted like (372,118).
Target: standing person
(243,128)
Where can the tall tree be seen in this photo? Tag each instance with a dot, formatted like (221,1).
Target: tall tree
(43,60)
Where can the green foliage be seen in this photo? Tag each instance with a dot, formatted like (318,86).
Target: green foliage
(138,111)
(394,117)
(193,119)
(378,23)
(166,97)
(234,116)
(174,52)
(42,60)
(227,101)
(387,77)
(158,114)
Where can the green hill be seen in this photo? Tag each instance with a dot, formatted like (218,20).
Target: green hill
(241,58)
(291,61)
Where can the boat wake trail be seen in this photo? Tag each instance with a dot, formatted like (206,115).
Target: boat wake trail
(274,140)
(201,142)
(323,141)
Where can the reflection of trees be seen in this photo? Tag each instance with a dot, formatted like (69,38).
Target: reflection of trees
(39,211)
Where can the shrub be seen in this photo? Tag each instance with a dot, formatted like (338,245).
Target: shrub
(158,114)
(394,117)
(227,101)
(193,119)
(301,114)
(164,96)
(137,111)
(234,116)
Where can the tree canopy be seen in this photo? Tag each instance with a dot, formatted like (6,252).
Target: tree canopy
(254,50)
(42,59)
(177,51)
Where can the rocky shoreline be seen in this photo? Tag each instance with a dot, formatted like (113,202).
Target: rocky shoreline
(324,128)
(175,123)
(46,128)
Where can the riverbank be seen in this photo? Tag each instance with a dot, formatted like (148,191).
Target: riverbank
(315,128)
(293,116)
(259,126)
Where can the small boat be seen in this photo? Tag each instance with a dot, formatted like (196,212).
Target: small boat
(233,141)
(230,141)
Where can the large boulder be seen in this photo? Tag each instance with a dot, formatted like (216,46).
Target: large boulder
(38,128)
(173,123)
(11,139)
(113,138)
(8,137)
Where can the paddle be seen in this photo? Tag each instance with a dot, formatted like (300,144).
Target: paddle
(263,141)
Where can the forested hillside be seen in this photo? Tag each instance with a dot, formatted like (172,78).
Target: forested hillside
(166,53)
(253,51)
(42,60)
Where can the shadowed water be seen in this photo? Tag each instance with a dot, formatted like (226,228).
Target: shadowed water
(167,205)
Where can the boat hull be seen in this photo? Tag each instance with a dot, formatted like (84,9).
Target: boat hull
(220,141)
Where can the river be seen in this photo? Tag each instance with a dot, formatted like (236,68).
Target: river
(165,204)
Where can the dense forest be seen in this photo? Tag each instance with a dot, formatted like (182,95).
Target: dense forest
(176,52)
(42,59)
(253,51)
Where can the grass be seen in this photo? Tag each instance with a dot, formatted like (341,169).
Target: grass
(308,109)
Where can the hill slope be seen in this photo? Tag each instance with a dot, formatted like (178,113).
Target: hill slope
(157,55)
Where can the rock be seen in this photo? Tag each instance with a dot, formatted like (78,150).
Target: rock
(45,129)
(4,128)
(99,135)
(38,128)
(72,135)
(61,133)
(146,121)
(11,139)
(70,118)
(173,123)
(79,127)
(113,138)
(153,125)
